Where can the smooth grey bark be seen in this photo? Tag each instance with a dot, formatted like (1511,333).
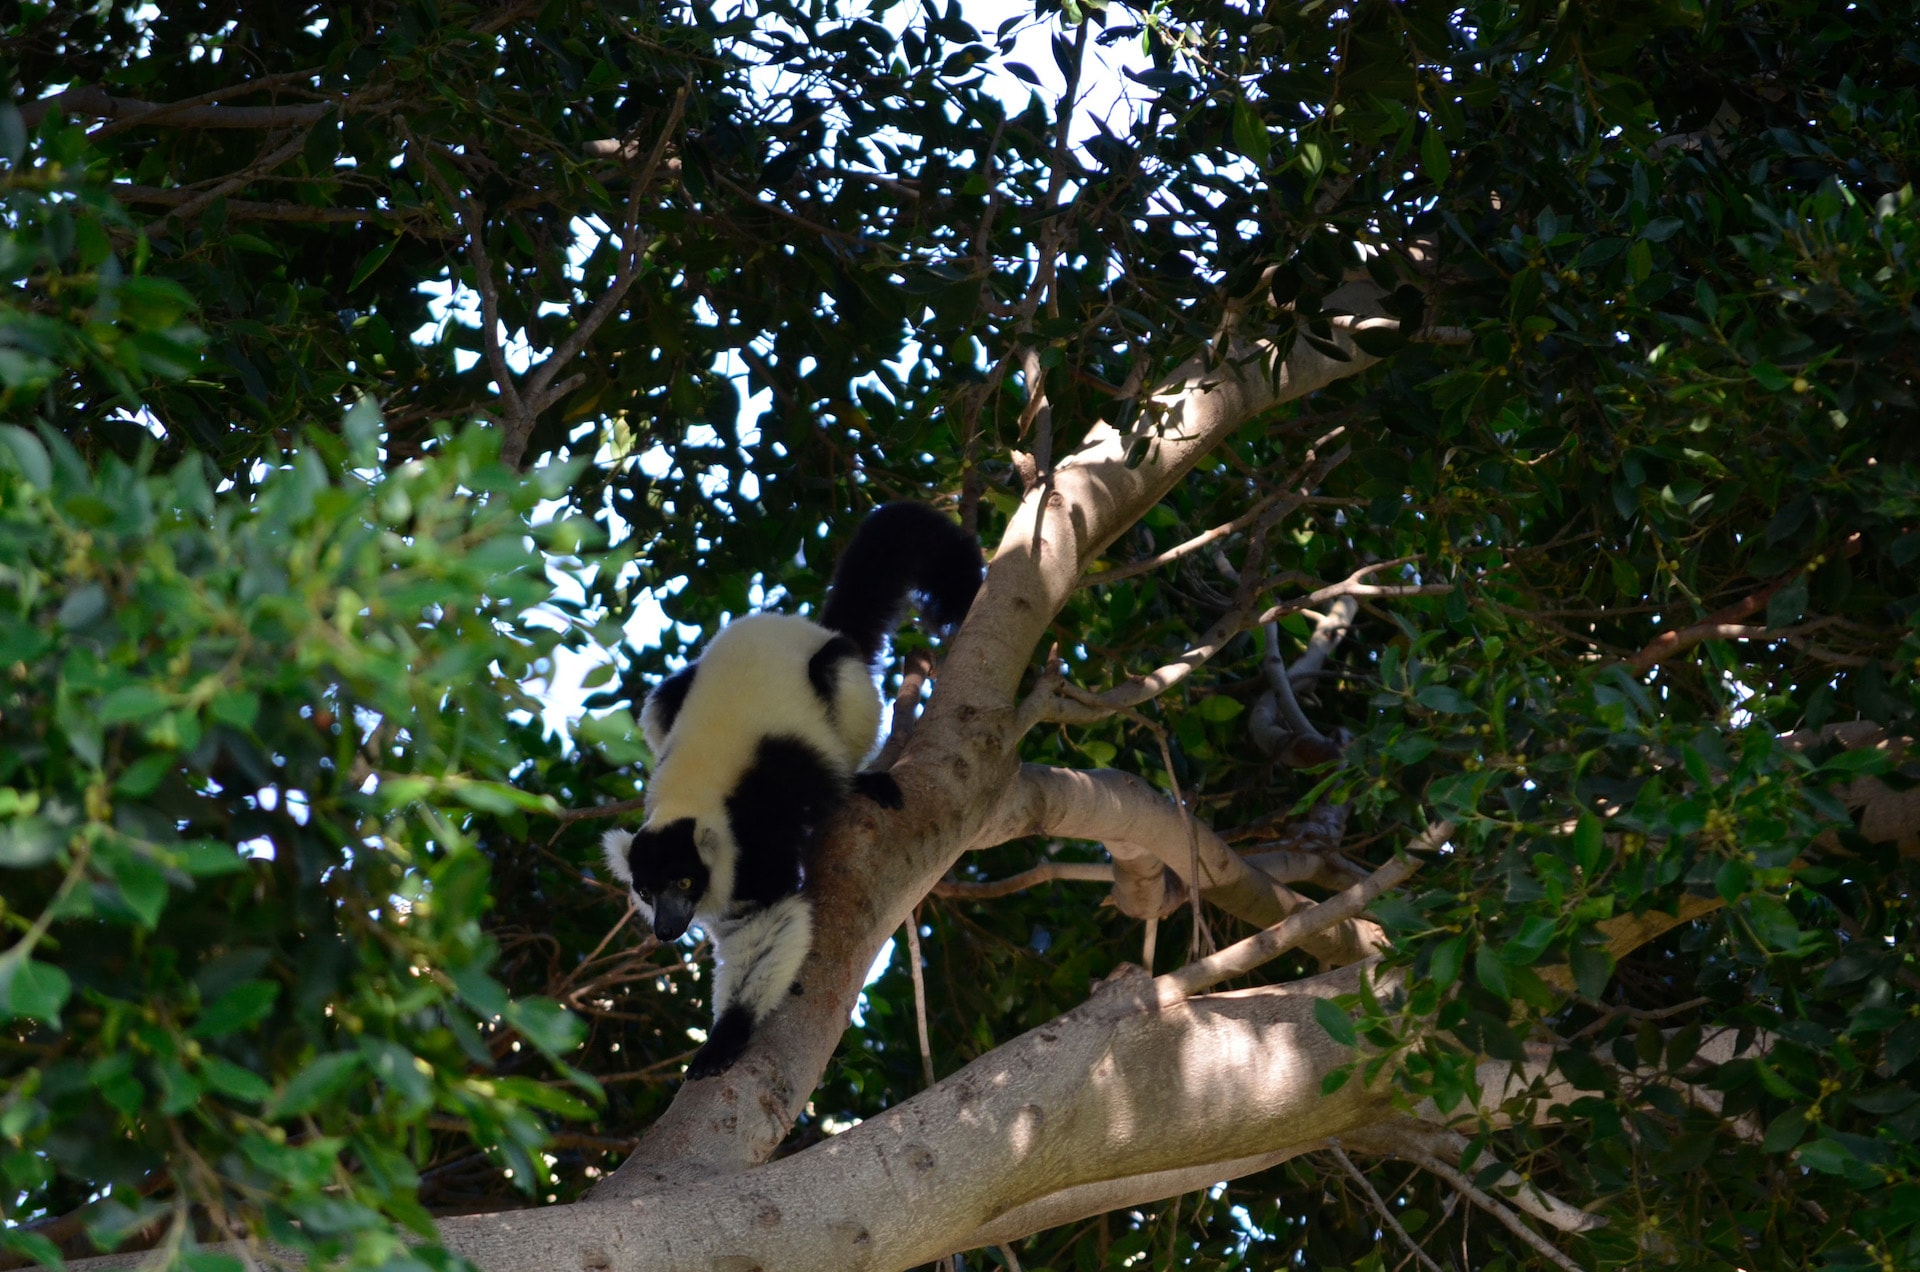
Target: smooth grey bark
(1095,1104)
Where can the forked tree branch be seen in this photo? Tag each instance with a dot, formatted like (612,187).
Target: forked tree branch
(1132,819)
(873,867)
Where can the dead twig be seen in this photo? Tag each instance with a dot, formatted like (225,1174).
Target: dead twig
(1046,872)
(919,996)
(1381,1208)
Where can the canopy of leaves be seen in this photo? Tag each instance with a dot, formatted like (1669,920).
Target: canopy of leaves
(1679,240)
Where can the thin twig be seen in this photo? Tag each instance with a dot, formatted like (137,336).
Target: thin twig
(618,808)
(916,670)
(919,995)
(1045,872)
(1492,1205)
(238,181)
(1380,1206)
(1243,956)
(1294,491)
(1135,690)
(1193,850)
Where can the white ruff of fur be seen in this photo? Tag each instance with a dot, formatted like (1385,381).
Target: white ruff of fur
(757,959)
(614,846)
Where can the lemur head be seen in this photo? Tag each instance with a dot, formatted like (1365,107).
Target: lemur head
(666,871)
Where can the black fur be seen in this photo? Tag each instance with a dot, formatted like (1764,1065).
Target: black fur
(880,788)
(725,1041)
(901,549)
(658,858)
(823,669)
(774,814)
(775,810)
(670,693)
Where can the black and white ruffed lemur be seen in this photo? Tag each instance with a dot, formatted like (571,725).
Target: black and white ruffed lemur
(756,745)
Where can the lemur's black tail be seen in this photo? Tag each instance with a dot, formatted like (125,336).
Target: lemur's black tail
(901,549)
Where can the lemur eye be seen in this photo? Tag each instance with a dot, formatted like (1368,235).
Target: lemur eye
(644,895)
(685,885)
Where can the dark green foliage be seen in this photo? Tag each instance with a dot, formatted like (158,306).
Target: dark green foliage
(323,674)
(1682,240)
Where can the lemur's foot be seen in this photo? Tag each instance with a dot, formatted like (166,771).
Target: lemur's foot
(880,788)
(723,1046)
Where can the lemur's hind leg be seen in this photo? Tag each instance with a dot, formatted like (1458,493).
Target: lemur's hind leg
(757,968)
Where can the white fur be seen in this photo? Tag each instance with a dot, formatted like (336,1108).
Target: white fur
(758,958)
(753,683)
(614,846)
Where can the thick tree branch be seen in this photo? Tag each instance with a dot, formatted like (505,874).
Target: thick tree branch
(1070,1205)
(1243,956)
(254,210)
(1067,1117)
(99,104)
(874,867)
(1131,818)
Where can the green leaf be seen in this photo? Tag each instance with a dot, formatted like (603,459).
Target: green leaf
(235,708)
(1770,377)
(500,798)
(1250,133)
(29,455)
(1219,708)
(1789,604)
(143,775)
(1445,699)
(231,1080)
(1785,1131)
(541,1095)
(143,886)
(397,1069)
(1448,957)
(32,989)
(1411,748)
(178,1091)
(1491,972)
(372,261)
(206,858)
(1828,1157)
(241,1007)
(1337,1023)
(34,1245)
(361,425)
(323,1077)
(551,1028)
(28,841)
(1592,968)
(1435,160)
(13,144)
(1588,843)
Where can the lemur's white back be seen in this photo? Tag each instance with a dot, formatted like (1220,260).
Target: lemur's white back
(751,683)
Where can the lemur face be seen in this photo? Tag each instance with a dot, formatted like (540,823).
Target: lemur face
(667,876)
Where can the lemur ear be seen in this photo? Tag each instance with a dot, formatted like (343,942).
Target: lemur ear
(616,845)
(707,843)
